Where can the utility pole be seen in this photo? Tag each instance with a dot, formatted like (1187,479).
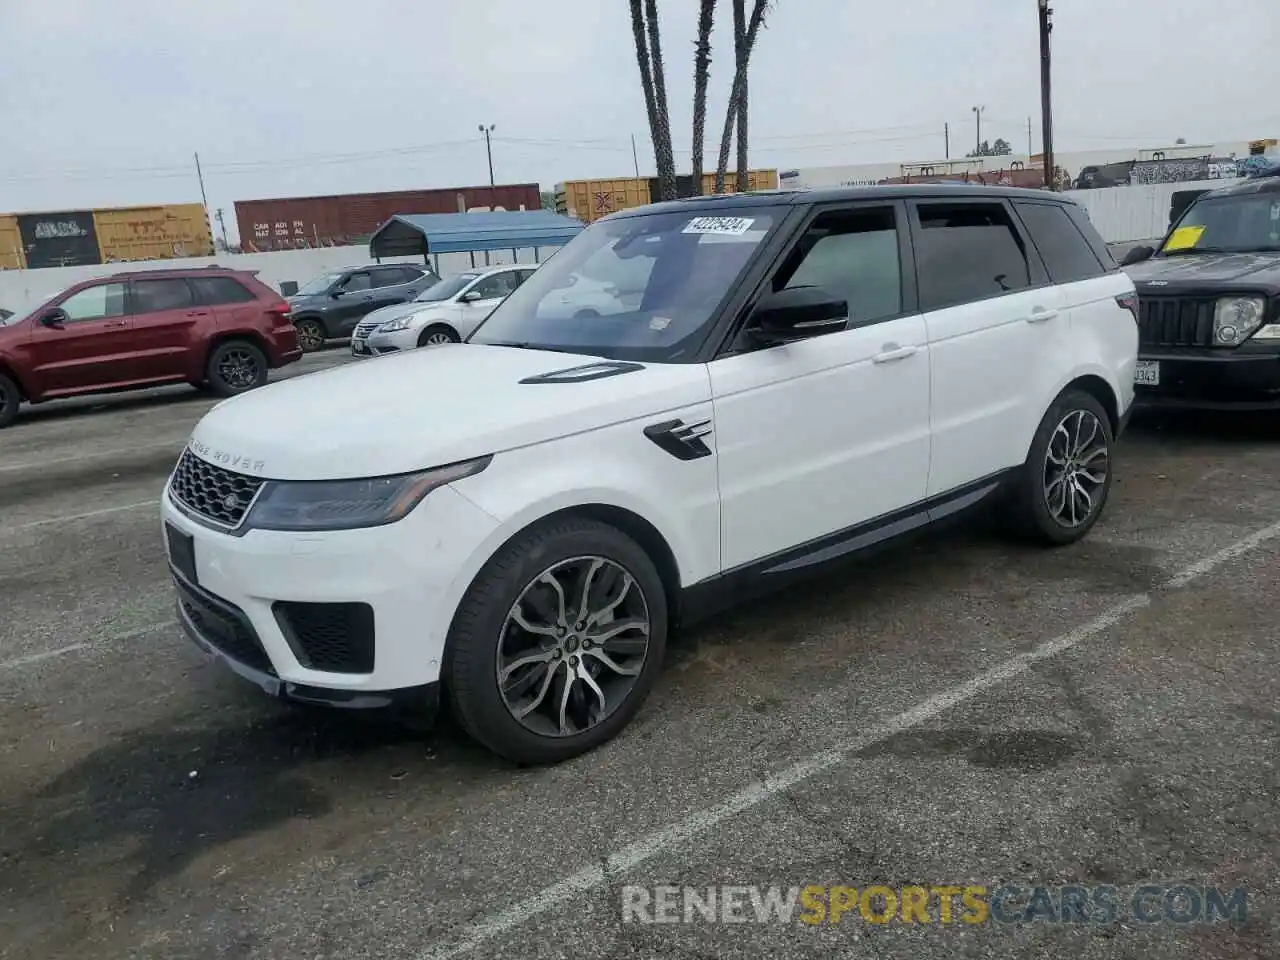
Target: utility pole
(1030,149)
(223,226)
(1046,99)
(946,139)
(635,157)
(977,135)
(200,177)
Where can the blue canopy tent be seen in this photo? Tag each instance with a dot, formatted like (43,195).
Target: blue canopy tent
(431,234)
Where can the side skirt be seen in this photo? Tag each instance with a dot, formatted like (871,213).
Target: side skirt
(773,573)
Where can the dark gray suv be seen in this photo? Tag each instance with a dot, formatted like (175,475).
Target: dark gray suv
(330,306)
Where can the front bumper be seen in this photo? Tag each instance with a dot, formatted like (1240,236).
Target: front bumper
(1246,378)
(382,343)
(410,573)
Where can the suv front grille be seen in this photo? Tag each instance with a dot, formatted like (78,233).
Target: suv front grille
(335,637)
(212,493)
(1175,322)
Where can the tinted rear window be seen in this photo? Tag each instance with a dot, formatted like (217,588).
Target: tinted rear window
(1066,252)
(211,291)
(967,252)
(153,296)
(1080,217)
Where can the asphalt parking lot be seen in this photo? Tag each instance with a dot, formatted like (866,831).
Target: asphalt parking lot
(960,711)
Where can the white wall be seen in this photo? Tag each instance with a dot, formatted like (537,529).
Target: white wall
(23,290)
(1123,214)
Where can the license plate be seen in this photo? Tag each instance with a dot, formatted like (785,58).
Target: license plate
(182,552)
(357,347)
(1147,372)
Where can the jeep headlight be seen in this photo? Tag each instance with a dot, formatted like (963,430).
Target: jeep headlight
(1235,319)
(311,505)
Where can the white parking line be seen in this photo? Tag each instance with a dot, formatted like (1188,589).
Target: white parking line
(95,455)
(680,832)
(88,515)
(29,659)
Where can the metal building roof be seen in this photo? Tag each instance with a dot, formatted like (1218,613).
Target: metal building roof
(419,234)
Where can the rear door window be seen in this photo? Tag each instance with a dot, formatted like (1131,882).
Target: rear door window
(388,277)
(154,296)
(966,252)
(1067,255)
(213,291)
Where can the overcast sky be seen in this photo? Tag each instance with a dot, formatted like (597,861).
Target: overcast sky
(104,104)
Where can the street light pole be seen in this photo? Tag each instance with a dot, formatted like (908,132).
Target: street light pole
(977,136)
(488,146)
(1046,101)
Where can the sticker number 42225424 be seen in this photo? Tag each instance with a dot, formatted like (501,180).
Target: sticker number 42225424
(730,226)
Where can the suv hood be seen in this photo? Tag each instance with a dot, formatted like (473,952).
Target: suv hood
(426,408)
(1219,271)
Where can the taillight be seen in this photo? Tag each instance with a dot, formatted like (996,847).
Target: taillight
(1130,302)
(281,308)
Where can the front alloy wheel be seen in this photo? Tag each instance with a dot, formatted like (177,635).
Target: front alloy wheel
(310,335)
(557,642)
(572,647)
(1076,466)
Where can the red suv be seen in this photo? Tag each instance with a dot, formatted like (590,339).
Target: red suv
(215,328)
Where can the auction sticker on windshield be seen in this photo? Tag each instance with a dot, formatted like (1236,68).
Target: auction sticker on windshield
(729,226)
(1184,238)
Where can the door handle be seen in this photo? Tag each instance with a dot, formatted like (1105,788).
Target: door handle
(197,313)
(891,352)
(1040,315)
(114,324)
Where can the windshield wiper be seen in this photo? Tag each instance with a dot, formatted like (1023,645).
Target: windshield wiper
(522,345)
(1183,251)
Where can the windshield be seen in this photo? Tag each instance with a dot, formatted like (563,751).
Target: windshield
(1230,224)
(445,288)
(635,288)
(319,284)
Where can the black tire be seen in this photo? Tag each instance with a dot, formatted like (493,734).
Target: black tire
(1033,511)
(236,367)
(438,330)
(10,398)
(472,652)
(311,334)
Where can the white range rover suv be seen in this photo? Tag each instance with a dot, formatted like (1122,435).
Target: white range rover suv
(518,521)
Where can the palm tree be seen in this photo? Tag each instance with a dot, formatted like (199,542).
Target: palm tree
(744,40)
(653,80)
(701,74)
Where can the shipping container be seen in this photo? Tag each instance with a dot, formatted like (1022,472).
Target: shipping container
(153,233)
(589,200)
(299,222)
(65,238)
(11,257)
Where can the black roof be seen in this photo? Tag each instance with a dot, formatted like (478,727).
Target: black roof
(1267,182)
(892,191)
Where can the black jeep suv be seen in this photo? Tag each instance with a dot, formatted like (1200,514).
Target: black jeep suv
(1209,301)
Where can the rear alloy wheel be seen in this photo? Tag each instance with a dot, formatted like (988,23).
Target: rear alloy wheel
(9,400)
(1064,484)
(310,335)
(436,335)
(235,367)
(558,642)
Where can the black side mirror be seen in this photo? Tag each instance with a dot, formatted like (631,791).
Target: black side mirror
(55,318)
(334,294)
(797,313)
(1137,255)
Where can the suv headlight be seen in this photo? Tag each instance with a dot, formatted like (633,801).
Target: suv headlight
(309,505)
(1235,319)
